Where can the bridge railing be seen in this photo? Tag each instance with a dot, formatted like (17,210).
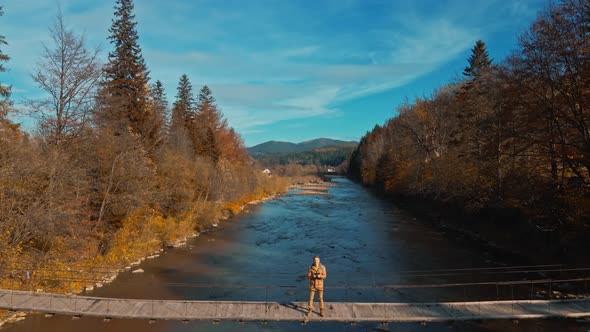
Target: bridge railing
(449,285)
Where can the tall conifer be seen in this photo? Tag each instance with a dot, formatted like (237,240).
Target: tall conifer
(183,109)
(478,61)
(159,105)
(125,87)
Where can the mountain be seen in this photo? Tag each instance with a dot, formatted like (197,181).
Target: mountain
(288,147)
(321,151)
(273,147)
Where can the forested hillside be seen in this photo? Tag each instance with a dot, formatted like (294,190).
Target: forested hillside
(326,156)
(317,152)
(109,173)
(510,135)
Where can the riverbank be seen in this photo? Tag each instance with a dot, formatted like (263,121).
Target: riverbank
(103,271)
(505,232)
(82,277)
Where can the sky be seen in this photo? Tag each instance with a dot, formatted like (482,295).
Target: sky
(284,70)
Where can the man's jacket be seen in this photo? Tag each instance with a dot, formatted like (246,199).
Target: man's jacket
(320,272)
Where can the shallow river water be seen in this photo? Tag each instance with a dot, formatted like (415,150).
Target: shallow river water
(361,239)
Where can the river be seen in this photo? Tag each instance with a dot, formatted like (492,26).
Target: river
(361,239)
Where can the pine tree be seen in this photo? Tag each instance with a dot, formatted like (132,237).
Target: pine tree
(159,111)
(183,109)
(208,115)
(208,126)
(478,61)
(467,135)
(180,136)
(4,89)
(125,90)
(206,96)
(212,149)
(160,105)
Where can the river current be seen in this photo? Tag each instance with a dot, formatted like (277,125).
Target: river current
(364,242)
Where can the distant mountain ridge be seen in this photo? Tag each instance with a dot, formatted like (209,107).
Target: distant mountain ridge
(288,147)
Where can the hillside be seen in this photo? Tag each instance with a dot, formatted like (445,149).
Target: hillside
(321,151)
(288,147)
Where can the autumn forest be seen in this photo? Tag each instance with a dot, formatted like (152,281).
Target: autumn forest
(109,173)
(511,138)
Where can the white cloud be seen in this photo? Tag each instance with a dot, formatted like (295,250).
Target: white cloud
(271,71)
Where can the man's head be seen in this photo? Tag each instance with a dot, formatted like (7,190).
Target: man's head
(316,260)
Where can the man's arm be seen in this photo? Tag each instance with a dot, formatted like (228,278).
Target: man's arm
(324,273)
(309,272)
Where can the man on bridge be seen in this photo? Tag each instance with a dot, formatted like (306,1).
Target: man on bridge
(316,274)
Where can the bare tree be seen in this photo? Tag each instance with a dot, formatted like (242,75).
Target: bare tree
(68,72)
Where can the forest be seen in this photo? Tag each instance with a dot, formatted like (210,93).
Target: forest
(110,172)
(327,156)
(510,135)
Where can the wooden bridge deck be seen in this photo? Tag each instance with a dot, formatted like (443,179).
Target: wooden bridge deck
(295,311)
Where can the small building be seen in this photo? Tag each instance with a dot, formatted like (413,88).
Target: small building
(331,170)
(267,171)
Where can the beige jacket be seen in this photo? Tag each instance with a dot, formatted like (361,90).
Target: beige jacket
(320,272)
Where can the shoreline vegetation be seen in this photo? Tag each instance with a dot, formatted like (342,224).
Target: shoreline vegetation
(110,174)
(85,276)
(502,154)
(495,231)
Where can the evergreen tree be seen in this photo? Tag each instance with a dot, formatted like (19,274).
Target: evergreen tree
(160,104)
(206,96)
(159,111)
(125,90)
(183,109)
(212,149)
(466,136)
(208,126)
(4,89)
(478,61)
(208,115)
(180,136)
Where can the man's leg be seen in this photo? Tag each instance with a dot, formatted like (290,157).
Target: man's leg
(310,307)
(321,296)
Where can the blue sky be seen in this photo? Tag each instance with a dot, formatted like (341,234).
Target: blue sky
(286,70)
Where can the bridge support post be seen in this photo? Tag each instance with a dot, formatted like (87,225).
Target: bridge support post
(586,295)
(512,292)
(497,293)
(550,294)
(266,304)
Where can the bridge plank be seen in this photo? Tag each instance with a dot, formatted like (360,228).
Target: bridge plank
(291,311)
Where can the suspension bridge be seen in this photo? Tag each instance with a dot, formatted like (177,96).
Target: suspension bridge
(520,302)
(289,311)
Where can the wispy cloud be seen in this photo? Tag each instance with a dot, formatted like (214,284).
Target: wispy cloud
(269,62)
(262,87)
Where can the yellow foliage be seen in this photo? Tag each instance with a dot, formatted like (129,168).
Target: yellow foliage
(142,232)
(137,236)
